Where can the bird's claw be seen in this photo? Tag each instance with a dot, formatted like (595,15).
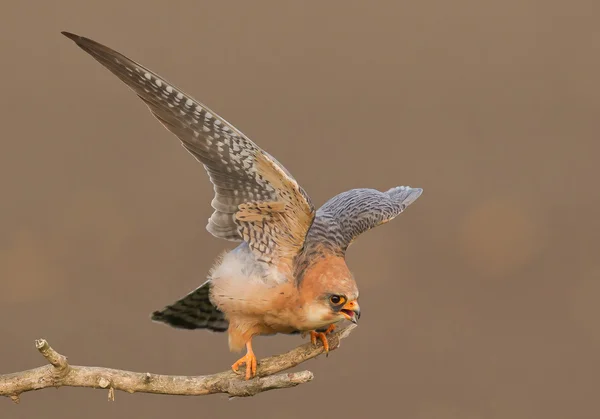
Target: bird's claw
(250,360)
(322,337)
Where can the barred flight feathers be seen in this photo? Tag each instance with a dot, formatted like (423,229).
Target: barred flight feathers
(256,199)
(347,215)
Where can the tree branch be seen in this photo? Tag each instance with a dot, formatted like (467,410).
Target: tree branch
(60,374)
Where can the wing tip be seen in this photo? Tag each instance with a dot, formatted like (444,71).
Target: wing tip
(71,36)
(405,194)
(84,43)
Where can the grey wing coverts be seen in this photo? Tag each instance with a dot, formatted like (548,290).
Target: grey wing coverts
(347,215)
(242,173)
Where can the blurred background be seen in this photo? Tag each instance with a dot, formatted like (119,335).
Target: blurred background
(480,301)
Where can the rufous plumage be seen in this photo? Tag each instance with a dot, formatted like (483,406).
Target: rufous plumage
(289,273)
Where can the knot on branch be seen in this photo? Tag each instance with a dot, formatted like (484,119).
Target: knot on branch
(103,382)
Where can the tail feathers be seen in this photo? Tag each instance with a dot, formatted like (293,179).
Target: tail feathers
(194,311)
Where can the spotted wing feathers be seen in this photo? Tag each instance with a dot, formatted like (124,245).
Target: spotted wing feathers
(245,178)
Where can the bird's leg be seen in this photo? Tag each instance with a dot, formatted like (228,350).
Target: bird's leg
(323,337)
(249,359)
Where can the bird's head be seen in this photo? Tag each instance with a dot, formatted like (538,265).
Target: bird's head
(329,293)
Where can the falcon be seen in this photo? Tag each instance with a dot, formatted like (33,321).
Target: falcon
(288,274)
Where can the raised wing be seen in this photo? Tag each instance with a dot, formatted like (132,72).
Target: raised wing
(347,215)
(256,199)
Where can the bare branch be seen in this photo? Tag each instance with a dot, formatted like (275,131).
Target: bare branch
(57,360)
(60,374)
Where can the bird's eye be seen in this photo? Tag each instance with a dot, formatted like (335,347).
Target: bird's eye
(337,300)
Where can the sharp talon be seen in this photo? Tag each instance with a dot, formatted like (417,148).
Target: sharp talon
(250,360)
(322,337)
(236,366)
(325,342)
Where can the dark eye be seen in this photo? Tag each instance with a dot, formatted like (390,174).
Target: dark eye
(337,300)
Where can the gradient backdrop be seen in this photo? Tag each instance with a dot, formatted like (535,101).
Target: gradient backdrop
(480,301)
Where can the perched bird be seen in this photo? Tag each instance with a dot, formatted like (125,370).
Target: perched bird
(288,274)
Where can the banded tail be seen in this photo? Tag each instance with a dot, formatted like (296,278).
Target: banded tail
(194,311)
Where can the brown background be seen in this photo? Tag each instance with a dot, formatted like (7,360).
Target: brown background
(481,301)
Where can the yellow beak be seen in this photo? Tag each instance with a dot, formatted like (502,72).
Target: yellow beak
(351,311)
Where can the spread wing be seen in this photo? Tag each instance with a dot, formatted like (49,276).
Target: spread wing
(256,199)
(347,215)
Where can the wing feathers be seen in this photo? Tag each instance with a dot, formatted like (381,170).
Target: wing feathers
(242,173)
(347,215)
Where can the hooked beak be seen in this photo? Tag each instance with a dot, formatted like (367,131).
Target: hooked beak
(351,311)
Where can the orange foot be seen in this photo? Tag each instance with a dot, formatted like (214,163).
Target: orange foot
(249,359)
(323,337)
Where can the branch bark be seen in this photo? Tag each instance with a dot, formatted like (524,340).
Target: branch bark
(60,374)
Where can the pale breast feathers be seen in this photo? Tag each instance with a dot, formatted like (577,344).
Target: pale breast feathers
(256,200)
